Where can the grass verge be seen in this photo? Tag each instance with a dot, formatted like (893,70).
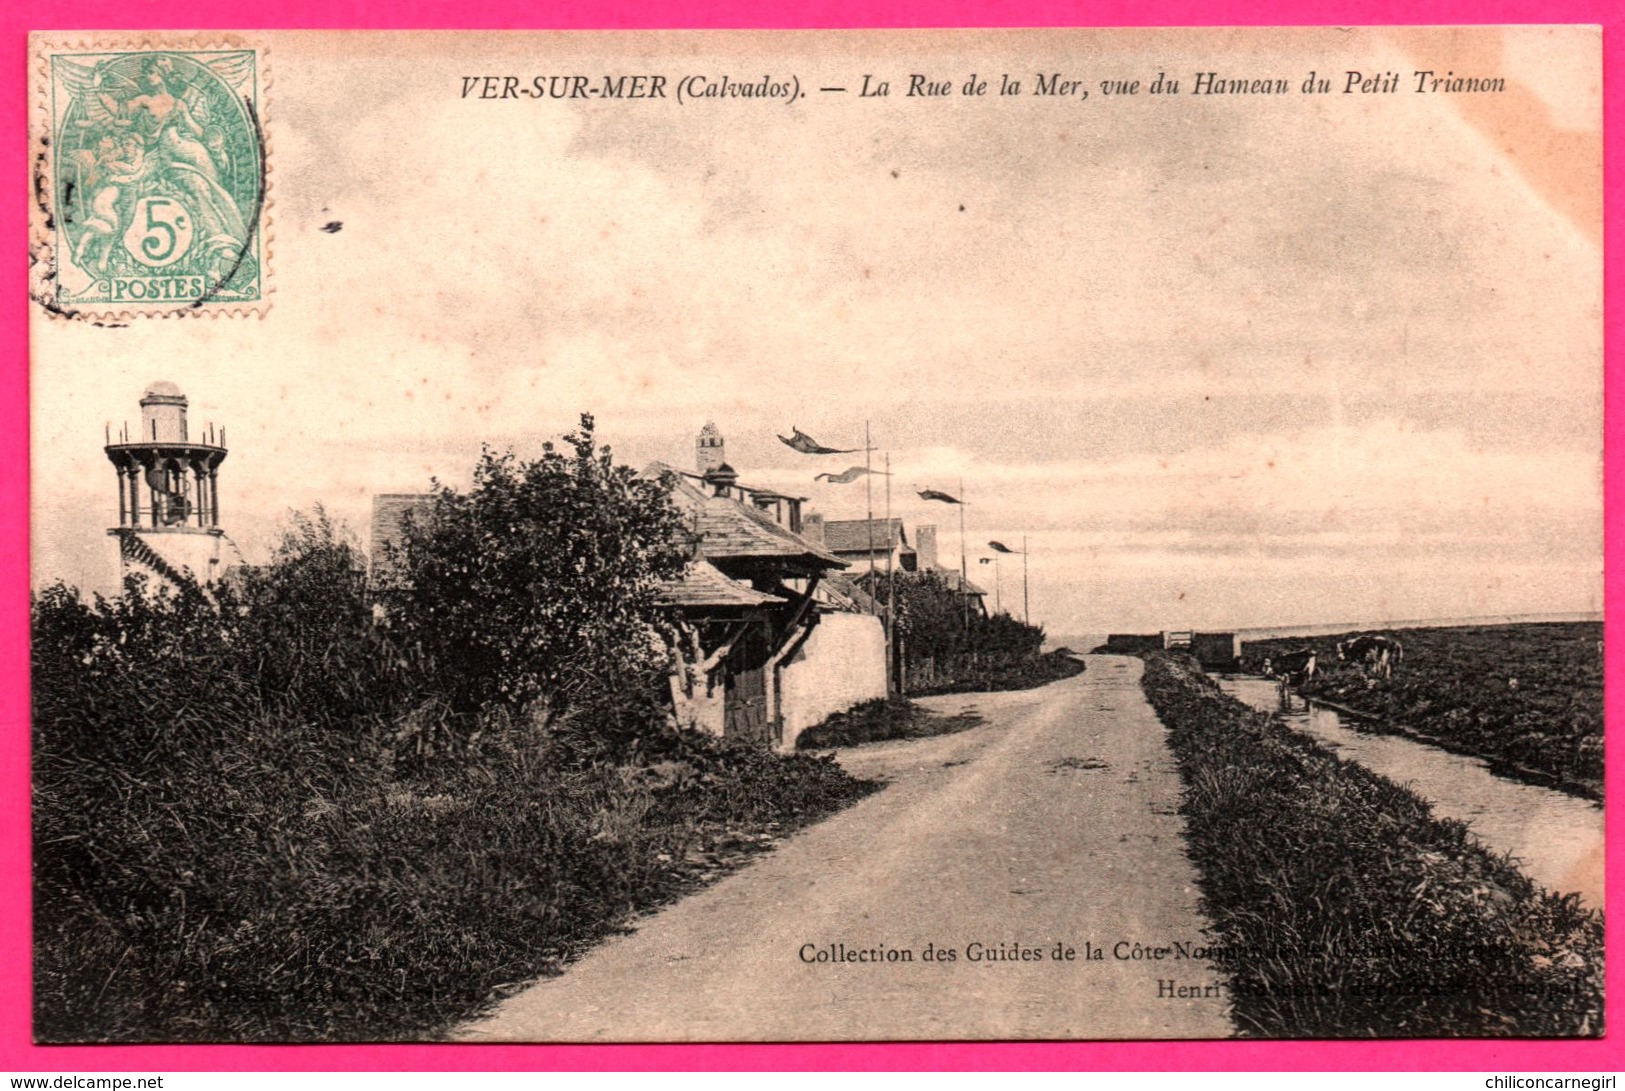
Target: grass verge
(1344,908)
(880,720)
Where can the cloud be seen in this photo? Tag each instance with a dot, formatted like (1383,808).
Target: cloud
(1379,521)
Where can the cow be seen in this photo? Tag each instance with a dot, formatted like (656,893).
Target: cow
(1377,654)
(1292,668)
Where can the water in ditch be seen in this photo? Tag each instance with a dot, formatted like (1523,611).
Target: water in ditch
(1557,838)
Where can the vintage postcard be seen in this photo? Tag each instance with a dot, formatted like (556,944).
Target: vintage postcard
(817,536)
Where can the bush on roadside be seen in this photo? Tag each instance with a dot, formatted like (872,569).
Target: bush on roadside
(949,645)
(997,674)
(536,589)
(256,819)
(880,720)
(178,741)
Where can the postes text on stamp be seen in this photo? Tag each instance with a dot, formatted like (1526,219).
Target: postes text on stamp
(151,181)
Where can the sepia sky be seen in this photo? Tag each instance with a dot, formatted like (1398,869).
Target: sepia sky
(1224,360)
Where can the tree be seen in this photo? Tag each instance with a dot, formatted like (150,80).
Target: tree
(933,627)
(930,616)
(536,589)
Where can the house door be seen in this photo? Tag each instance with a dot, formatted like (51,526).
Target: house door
(745,705)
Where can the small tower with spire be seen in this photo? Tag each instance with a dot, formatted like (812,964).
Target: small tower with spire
(168,495)
(709,450)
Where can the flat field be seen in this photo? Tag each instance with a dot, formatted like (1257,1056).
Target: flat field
(1527,698)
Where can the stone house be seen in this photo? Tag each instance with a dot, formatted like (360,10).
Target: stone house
(808,644)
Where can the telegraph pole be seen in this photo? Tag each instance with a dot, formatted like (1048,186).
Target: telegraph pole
(891,593)
(1024,619)
(869,510)
(964,575)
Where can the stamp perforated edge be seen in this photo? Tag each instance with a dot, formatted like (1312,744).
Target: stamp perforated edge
(42,253)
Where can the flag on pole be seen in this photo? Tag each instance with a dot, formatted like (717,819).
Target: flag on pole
(849,476)
(801,441)
(935,494)
(1001,547)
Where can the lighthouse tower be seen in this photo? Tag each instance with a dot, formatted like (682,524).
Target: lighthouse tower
(168,500)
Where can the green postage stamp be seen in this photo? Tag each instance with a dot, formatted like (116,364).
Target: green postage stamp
(150,179)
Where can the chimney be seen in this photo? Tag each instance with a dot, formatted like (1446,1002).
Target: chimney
(812,527)
(925,547)
(722,479)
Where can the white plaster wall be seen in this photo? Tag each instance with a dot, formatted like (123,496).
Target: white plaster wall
(199,552)
(699,712)
(842,664)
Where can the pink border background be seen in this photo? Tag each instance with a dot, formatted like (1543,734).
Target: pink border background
(17,1054)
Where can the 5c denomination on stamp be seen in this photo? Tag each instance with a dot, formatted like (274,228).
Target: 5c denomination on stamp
(150,179)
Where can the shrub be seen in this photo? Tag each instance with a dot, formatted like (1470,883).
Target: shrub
(949,649)
(179,739)
(882,719)
(252,822)
(536,589)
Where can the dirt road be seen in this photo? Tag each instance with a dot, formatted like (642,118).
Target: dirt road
(1053,823)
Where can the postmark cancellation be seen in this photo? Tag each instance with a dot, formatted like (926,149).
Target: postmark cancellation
(151,181)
